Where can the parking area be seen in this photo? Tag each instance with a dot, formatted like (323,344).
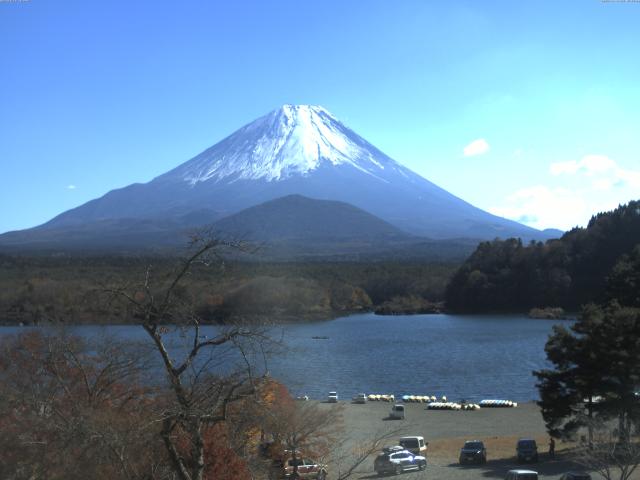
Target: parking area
(446,432)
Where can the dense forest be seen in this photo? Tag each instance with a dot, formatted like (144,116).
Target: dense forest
(75,290)
(591,264)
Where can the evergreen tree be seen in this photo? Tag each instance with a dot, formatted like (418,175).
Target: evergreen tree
(596,372)
(505,275)
(623,283)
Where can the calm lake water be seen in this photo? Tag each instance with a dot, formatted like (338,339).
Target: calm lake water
(471,356)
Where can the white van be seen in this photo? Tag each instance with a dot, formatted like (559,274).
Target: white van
(397,412)
(415,445)
(521,475)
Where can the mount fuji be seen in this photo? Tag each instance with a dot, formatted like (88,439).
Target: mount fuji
(294,150)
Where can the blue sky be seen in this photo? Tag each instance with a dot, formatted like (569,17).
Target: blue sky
(530,110)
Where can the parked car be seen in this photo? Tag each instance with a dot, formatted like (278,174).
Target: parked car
(359,398)
(398,461)
(575,476)
(395,448)
(397,412)
(473,451)
(332,397)
(415,445)
(521,475)
(527,450)
(307,469)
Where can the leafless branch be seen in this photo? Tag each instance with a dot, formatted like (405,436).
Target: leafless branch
(613,456)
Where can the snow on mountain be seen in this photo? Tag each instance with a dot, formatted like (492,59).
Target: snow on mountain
(294,150)
(292,140)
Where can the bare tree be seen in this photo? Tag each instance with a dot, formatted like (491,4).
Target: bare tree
(207,375)
(310,429)
(353,453)
(302,427)
(613,455)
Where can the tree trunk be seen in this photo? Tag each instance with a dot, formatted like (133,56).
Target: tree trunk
(590,423)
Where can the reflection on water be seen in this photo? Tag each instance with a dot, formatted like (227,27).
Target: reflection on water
(470,357)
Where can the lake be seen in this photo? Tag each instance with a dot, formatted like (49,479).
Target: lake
(460,356)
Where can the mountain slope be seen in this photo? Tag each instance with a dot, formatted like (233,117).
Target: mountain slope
(297,149)
(302,219)
(284,229)
(301,228)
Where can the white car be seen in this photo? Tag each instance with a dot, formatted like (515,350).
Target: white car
(520,474)
(332,397)
(359,398)
(414,444)
(306,469)
(396,460)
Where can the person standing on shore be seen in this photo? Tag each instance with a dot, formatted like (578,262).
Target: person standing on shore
(552,448)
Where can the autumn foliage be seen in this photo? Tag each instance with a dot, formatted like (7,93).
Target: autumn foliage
(77,409)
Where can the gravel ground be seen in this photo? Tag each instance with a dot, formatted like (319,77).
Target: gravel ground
(446,432)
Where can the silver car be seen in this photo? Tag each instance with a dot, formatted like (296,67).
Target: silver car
(359,398)
(398,461)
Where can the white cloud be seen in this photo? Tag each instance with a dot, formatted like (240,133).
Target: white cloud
(630,177)
(71,187)
(605,171)
(477,147)
(602,184)
(544,207)
(576,190)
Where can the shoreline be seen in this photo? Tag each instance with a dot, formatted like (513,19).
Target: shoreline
(292,319)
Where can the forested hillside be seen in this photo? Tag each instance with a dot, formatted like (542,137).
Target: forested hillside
(567,272)
(74,290)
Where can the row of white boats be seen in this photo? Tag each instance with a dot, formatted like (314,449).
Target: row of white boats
(374,397)
(423,398)
(433,403)
(498,404)
(452,406)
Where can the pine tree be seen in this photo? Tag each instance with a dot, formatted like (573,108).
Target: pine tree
(596,372)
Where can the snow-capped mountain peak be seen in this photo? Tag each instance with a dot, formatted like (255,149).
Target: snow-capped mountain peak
(289,141)
(294,150)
